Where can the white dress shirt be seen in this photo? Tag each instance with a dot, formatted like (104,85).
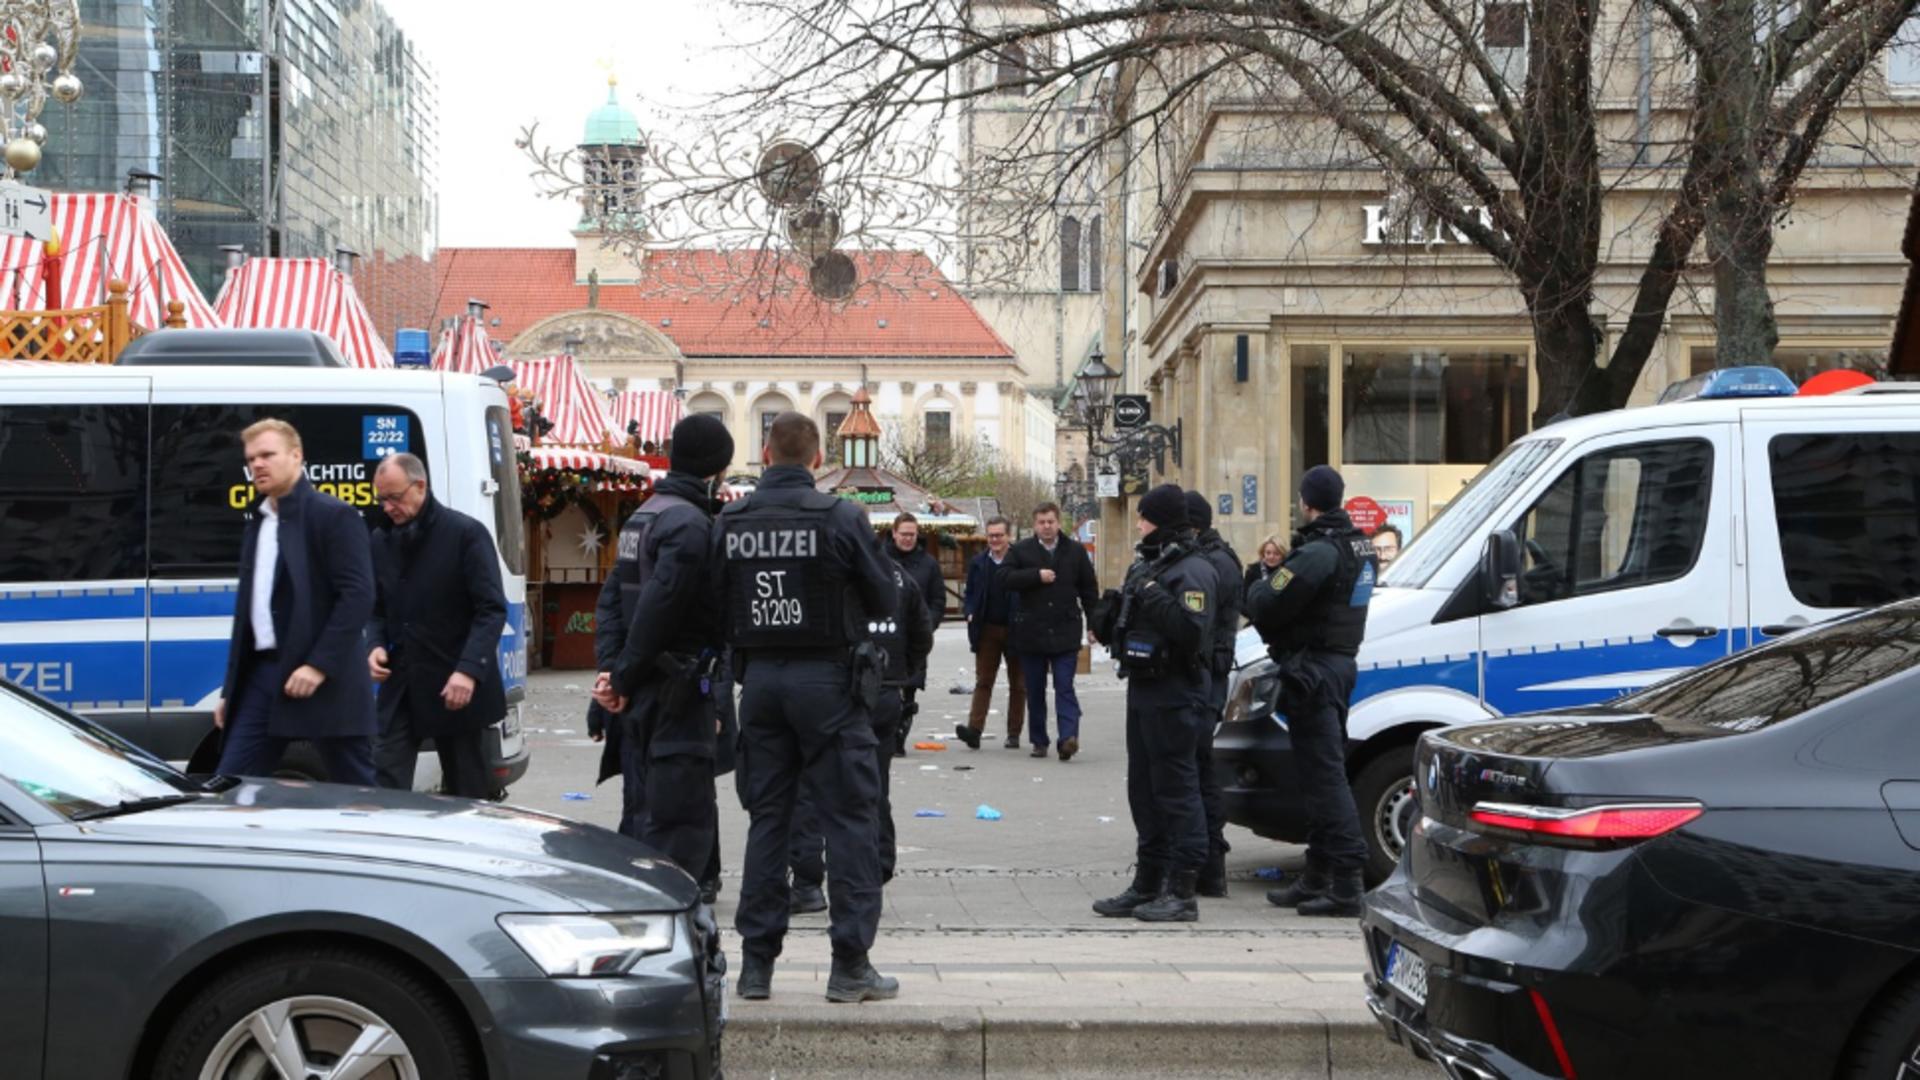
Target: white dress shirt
(266,556)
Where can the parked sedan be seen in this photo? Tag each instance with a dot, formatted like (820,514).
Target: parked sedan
(1717,876)
(151,926)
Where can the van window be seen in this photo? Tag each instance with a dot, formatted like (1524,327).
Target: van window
(1460,520)
(200,489)
(1617,519)
(73,492)
(1848,507)
(509,524)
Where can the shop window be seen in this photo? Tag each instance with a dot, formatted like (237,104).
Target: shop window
(1431,407)
(1848,507)
(1804,362)
(1616,519)
(73,493)
(1309,415)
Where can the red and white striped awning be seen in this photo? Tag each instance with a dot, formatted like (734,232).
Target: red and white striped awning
(573,457)
(565,397)
(655,411)
(303,294)
(104,237)
(465,348)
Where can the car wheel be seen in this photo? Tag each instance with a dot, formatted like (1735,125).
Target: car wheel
(1383,791)
(302,762)
(1887,1045)
(316,1013)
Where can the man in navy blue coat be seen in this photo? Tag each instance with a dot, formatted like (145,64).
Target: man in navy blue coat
(297,661)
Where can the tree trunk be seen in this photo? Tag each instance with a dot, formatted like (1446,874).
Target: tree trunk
(1566,357)
(1734,95)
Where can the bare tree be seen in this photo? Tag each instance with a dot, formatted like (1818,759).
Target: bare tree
(1020,493)
(951,467)
(1486,120)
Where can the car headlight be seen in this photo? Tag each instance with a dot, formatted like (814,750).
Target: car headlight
(586,945)
(1253,692)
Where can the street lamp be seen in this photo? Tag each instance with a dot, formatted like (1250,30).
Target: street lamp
(1099,381)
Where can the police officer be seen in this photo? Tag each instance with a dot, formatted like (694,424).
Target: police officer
(1312,614)
(1226,624)
(800,579)
(657,640)
(906,637)
(1161,630)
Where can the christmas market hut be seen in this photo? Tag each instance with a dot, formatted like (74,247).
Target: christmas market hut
(303,294)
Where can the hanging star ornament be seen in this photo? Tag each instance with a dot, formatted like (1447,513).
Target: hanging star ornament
(591,541)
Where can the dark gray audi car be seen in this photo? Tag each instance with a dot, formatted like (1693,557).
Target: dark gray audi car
(153,926)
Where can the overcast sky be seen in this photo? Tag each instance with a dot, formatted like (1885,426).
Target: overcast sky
(501,64)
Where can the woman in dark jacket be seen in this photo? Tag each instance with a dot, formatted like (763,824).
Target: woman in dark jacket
(1272,554)
(1053,584)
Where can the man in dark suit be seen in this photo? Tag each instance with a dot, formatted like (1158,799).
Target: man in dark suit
(1055,582)
(296,665)
(923,572)
(435,635)
(988,606)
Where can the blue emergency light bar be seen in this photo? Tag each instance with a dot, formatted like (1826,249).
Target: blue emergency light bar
(1735,382)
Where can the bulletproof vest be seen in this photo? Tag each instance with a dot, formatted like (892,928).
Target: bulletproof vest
(784,590)
(1336,620)
(890,633)
(1142,649)
(633,546)
(1226,600)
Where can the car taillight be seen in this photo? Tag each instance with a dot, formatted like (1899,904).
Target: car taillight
(1618,823)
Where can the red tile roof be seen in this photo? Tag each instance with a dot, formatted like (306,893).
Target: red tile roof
(714,303)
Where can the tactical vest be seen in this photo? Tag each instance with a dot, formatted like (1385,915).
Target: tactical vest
(1336,620)
(784,590)
(1226,600)
(633,547)
(890,633)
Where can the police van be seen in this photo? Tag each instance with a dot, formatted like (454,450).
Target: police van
(124,496)
(1595,557)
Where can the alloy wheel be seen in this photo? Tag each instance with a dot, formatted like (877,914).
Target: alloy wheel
(1393,818)
(311,1038)
(1910,1068)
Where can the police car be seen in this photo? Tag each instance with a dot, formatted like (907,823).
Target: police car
(1595,557)
(124,496)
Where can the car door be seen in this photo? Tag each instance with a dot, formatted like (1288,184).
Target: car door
(1833,502)
(1627,573)
(23,951)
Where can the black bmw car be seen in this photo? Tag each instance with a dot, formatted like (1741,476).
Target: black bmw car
(1718,876)
(155,927)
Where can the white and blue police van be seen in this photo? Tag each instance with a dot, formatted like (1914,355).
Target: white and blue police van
(124,496)
(1598,556)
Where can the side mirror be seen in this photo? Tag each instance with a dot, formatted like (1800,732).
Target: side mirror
(1500,564)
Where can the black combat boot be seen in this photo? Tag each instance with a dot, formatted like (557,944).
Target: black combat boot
(1213,876)
(1306,885)
(806,899)
(854,981)
(756,977)
(900,732)
(1341,900)
(1175,902)
(1146,885)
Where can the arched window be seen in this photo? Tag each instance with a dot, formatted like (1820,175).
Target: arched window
(1096,258)
(830,414)
(936,418)
(708,403)
(1070,254)
(765,408)
(1010,69)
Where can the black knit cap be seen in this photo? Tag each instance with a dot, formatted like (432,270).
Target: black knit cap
(1199,511)
(1165,506)
(1322,489)
(702,446)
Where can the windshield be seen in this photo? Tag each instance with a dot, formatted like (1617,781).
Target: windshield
(76,771)
(1460,520)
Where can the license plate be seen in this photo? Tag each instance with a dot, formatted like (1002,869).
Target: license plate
(1407,973)
(510,724)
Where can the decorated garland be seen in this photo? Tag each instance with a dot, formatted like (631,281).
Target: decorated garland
(546,493)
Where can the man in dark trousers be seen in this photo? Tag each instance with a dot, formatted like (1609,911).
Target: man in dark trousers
(658,642)
(988,605)
(1312,613)
(906,637)
(1226,625)
(923,572)
(1054,580)
(1160,627)
(799,580)
(297,661)
(437,617)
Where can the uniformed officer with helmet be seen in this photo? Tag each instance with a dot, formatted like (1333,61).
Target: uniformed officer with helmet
(1226,626)
(800,580)
(1160,627)
(1312,613)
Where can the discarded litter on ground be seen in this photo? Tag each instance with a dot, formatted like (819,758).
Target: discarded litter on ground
(576,796)
(1269,873)
(929,813)
(987,813)
(929,746)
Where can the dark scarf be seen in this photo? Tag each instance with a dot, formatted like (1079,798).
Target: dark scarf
(692,488)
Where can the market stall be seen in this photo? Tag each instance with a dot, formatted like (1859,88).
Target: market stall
(465,347)
(303,294)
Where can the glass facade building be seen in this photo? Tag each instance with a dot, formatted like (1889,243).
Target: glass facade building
(292,138)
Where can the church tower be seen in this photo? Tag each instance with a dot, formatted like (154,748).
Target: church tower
(612,152)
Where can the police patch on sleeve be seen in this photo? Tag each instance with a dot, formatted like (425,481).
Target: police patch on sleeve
(1195,600)
(1280,578)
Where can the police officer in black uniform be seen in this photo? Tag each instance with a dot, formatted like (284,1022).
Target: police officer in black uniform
(658,640)
(1312,613)
(1160,626)
(1226,624)
(800,579)
(906,637)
